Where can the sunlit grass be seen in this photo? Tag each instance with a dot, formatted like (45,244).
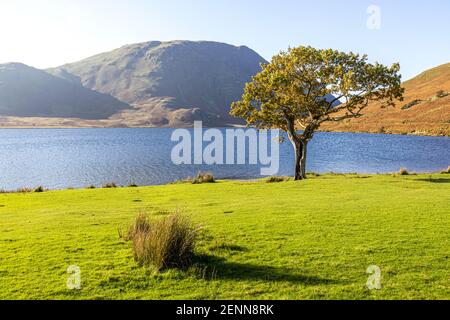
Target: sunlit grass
(312,239)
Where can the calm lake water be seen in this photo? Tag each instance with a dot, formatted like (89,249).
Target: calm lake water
(62,158)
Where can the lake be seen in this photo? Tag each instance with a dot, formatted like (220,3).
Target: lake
(62,158)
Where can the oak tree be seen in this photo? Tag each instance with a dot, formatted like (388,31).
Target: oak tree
(304,87)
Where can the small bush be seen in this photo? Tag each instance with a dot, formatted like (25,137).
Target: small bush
(411,104)
(203,177)
(24,190)
(403,172)
(133,185)
(109,185)
(441,94)
(91,187)
(276,179)
(165,243)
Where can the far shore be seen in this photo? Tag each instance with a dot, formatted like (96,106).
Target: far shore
(414,133)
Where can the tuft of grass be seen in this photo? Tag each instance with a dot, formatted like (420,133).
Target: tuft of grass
(141,225)
(109,185)
(39,189)
(203,177)
(276,179)
(165,243)
(403,172)
(91,187)
(133,185)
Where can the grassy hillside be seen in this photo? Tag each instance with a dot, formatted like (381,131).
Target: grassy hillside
(423,111)
(306,240)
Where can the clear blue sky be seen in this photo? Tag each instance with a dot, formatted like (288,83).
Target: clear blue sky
(48,33)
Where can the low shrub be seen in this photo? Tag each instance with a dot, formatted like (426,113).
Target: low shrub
(411,104)
(91,187)
(109,185)
(403,172)
(165,243)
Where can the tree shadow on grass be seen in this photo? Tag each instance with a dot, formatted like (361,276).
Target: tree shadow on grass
(217,268)
(434,180)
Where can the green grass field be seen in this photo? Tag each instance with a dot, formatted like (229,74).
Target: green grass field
(291,240)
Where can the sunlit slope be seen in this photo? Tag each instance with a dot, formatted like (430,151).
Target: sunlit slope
(423,111)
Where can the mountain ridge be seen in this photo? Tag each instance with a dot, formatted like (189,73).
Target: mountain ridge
(174,83)
(170,83)
(26,91)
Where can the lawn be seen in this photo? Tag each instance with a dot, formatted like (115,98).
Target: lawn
(289,240)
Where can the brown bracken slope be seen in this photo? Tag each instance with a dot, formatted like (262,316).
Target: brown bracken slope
(423,112)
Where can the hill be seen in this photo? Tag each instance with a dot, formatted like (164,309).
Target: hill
(29,92)
(169,83)
(425,110)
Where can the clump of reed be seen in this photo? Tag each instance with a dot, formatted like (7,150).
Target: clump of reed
(168,242)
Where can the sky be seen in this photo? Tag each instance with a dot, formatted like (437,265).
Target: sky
(48,33)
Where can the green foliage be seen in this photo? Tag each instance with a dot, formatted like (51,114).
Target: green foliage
(290,91)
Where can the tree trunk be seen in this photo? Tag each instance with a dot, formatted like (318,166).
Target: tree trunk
(303,160)
(298,149)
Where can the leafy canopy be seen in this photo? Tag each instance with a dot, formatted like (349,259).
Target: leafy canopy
(289,92)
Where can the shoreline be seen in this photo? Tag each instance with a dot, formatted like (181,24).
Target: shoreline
(311,175)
